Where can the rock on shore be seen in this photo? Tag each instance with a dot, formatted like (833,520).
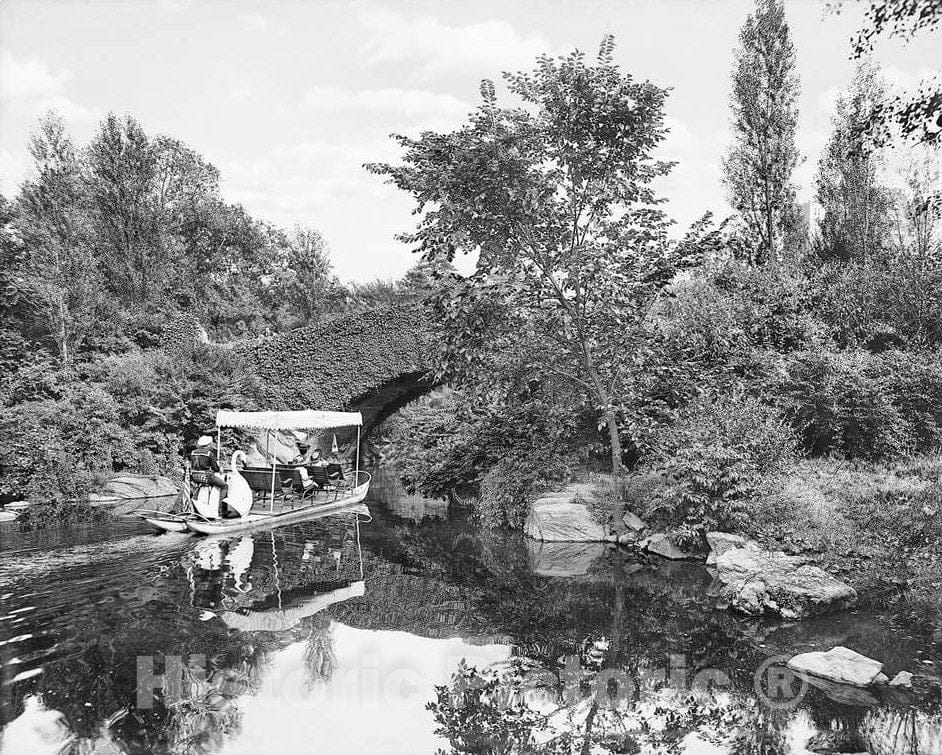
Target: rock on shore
(661,545)
(757,581)
(133,486)
(563,517)
(840,665)
(720,542)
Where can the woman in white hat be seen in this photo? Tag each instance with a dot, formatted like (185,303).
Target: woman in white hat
(205,469)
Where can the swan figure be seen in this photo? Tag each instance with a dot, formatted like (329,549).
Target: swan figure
(240,494)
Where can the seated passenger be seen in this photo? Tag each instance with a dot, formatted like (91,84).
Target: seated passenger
(310,459)
(205,470)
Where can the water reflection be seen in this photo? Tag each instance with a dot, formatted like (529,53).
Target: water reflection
(334,635)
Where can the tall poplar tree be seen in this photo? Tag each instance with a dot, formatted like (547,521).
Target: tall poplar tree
(856,207)
(758,168)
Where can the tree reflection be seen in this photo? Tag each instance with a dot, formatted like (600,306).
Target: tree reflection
(519,708)
(320,659)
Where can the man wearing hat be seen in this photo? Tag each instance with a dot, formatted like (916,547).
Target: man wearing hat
(204,469)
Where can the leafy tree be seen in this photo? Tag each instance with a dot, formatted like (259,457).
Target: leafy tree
(856,207)
(555,200)
(758,169)
(143,192)
(58,265)
(918,116)
(17,300)
(304,287)
(917,222)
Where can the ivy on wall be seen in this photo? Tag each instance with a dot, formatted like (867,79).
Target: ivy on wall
(332,365)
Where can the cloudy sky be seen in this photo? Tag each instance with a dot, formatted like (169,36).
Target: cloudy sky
(288,98)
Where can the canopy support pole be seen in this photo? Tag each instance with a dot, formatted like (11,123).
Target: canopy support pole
(218,443)
(356,476)
(274,464)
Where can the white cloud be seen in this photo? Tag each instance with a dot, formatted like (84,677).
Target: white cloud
(679,137)
(24,78)
(416,104)
(253,21)
(430,46)
(900,80)
(13,168)
(70,110)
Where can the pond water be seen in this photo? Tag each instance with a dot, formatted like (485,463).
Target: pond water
(332,636)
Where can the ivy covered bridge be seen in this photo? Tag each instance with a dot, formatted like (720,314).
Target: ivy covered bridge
(374,362)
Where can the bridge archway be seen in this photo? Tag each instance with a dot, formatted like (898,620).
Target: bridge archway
(375,362)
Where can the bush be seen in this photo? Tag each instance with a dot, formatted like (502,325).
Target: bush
(889,303)
(726,312)
(861,405)
(65,431)
(720,454)
(49,453)
(512,484)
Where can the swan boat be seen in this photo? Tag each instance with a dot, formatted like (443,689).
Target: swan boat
(241,497)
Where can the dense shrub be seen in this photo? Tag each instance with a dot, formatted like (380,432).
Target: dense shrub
(63,431)
(888,303)
(720,454)
(723,313)
(862,405)
(50,451)
(500,453)
(513,483)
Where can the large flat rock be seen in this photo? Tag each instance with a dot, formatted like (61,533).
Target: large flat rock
(133,486)
(561,517)
(840,665)
(757,581)
(281,444)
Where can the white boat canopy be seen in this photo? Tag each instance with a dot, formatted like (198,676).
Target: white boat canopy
(296,420)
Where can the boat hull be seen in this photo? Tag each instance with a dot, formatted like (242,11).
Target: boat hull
(259,521)
(167,525)
(166,522)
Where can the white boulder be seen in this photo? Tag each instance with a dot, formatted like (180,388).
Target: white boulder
(841,665)
(720,542)
(132,487)
(560,519)
(902,679)
(755,581)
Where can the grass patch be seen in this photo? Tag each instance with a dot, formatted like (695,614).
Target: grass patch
(637,492)
(877,527)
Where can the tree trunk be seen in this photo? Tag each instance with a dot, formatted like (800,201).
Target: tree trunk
(615,440)
(605,401)
(63,330)
(618,469)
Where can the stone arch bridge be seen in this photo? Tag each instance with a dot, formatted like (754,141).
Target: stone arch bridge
(374,362)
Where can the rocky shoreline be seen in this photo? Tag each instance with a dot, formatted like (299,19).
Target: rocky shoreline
(747,577)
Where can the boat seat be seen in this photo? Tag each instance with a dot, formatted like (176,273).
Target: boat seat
(319,475)
(306,488)
(260,481)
